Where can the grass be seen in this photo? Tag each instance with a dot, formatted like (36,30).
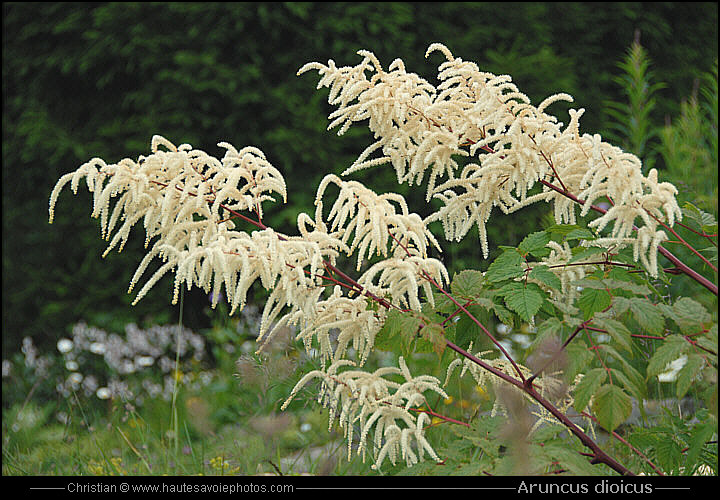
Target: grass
(228,425)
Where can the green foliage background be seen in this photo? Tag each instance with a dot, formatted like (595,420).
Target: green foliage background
(86,80)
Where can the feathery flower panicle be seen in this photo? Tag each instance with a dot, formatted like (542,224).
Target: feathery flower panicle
(511,144)
(356,322)
(556,261)
(373,220)
(186,199)
(372,400)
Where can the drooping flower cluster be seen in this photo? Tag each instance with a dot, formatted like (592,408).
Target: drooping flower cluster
(370,400)
(512,146)
(190,204)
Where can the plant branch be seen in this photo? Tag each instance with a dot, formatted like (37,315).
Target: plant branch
(672,258)
(599,456)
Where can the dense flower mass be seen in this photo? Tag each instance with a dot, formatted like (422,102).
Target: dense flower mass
(192,206)
(510,144)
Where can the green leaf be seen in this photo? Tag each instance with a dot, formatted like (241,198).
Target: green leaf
(505,316)
(587,387)
(571,461)
(399,331)
(578,357)
(635,288)
(593,300)
(687,374)
(617,331)
(534,244)
(550,328)
(586,254)
(690,315)
(509,264)
(647,315)
(709,341)
(612,406)
(703,220)
(524,299)
(668,454)
(672,348)
(468,331)
(546,276)
(443,304)
(633,376)
(467,283)
(566,229)
(580,234)
(433,334)
(632,388)
(701,434)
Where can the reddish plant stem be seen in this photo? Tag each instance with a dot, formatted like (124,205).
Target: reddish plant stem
(623,441)
(678,263)
(599,456)
(682,241)
(579,328)
(709,237)
(442,417)
(475,320)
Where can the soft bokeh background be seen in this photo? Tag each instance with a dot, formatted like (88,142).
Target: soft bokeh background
(86,80)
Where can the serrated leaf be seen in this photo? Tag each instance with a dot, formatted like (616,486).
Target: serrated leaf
(617,331)
(507,265)
(547,433)
(612,406)
(564,229)
(534,244)
(550,328)
(709,340)
(704,221)
(687,374)
(571,461)
(671,349)
(593,300)
(502,313)
(580,234)
(524,299)
(546,276)
(668,454)
(701,434)
(620,305)
(647,315)
(635,288)
(690,315)
(634,377)
(467,283)
(398,332)
(587,387)
(633,389)
(433,334)
(586,254)
(467,330)
(443,304)
(578,357)
(593,283)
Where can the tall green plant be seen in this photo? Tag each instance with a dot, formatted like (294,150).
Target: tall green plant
(689,144)
(630,121)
